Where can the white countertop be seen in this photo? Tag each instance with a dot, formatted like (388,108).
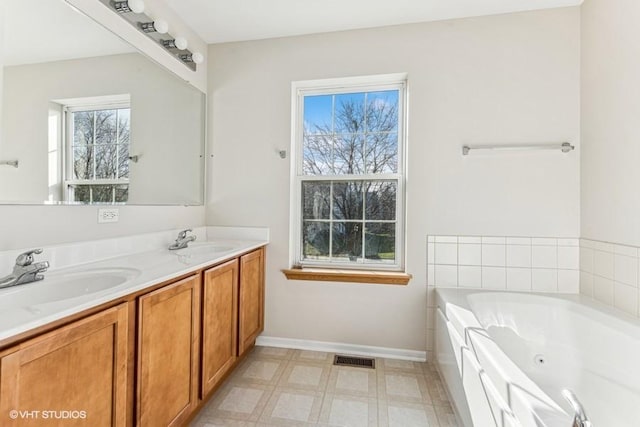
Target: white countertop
(146,268)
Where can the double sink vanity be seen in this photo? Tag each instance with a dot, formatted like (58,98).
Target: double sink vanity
(122,331)
(142,336)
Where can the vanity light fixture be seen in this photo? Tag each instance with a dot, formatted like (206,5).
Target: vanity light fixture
(135,12)
(169,44)
(135,6)
(181,43)
(177,43)
(159,26)
(195,57)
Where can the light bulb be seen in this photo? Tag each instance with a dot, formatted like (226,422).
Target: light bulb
(161,26)
(181,43)
(197,57)
(136,6)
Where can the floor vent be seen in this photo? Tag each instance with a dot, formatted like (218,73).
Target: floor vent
(358,362)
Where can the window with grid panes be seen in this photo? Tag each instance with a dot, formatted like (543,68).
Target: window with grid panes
(349,178)
(98,140)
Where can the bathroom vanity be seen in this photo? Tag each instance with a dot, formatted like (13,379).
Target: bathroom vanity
(149,352)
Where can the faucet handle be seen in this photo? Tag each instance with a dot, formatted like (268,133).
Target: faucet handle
(580,418)
(183,233)
(26,258)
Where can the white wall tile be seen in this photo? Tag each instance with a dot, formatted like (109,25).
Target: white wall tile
(493,255)
(568,242)
(569,257)
(519,241)
(610,273)
(603,264)
(446,253)
(544,280)
(626,298)
(544,241)
(494,278)
(586,243)
(518,256)
(519,263)
(519,279)
(431,315)
(431,275)
(586,284)
(603,246)
(446,239)
(469,254)
(469,276)
(470,239)
(569,281)
(431,297)
(603,289)
(586,259)
(625,250)
(491,240)
(544,256)
(446,276)
(625,270)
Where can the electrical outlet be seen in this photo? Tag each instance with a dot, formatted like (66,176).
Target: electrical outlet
(108,215)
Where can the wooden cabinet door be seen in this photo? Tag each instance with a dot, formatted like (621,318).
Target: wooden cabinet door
(168,341)
(219,323)
(251,304)
(73,376)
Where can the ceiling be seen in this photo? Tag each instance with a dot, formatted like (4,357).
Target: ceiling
(218,21)
(50,30)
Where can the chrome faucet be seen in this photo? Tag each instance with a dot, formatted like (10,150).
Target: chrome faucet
(580,418)
(183,240)
(25,270)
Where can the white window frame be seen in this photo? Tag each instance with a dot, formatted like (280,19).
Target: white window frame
(87,104)
(375,83)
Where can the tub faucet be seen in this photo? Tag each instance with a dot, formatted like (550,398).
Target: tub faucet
(25,270)
(580,418)
(183,240)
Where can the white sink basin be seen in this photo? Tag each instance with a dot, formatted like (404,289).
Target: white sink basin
(63,286)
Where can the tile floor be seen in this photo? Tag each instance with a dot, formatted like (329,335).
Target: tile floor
(282,387)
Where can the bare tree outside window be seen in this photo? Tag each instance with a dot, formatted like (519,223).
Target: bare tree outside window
(100,155)
(351,141)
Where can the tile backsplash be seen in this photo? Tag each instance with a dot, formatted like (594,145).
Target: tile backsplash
(533,264)
(504,263)
(609,274)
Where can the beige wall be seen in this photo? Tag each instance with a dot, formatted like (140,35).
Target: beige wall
(36,226)
(501,79)
(610,121)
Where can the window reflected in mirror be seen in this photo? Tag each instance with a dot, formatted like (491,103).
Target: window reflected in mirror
(97,145)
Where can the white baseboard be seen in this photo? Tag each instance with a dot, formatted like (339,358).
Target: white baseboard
(348,349)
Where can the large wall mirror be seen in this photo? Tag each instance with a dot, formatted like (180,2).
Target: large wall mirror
(86,119)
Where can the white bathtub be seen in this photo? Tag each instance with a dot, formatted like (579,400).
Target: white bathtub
(506,356)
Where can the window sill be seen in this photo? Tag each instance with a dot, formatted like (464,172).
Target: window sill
(350,276)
